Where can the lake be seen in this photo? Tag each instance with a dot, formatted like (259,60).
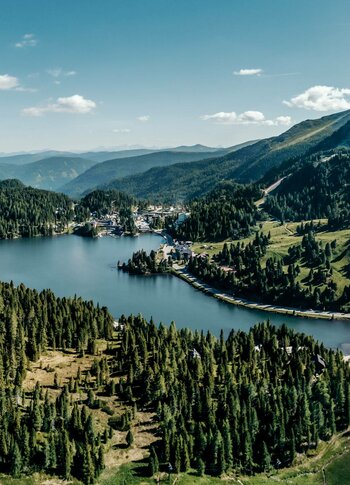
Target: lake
(86,267)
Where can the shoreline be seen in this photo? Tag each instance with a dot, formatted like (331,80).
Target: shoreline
(222,296)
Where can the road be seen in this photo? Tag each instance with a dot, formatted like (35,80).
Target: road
(268,190)
(296,312)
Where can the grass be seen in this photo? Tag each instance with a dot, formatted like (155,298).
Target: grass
(338,472)
(284,236)
(36,479)
(332,457)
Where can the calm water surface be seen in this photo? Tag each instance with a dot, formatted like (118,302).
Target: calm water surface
(72,265)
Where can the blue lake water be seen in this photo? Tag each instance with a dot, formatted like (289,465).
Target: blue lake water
(72,265)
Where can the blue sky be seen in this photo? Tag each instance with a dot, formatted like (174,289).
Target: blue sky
(84,74)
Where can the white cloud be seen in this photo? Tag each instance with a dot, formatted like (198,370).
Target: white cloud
(246,118)
(322,98)
(23,89)
(8,82)
(283,120)
(12,83)
(33,111)
(248,72)
(121,130)
(144,118)
(28,40)
(58,72)
(75,104)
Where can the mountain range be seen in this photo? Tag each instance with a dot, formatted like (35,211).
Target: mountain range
(180,173)
(248,164)
(53,170)
(121,167)
(49,173)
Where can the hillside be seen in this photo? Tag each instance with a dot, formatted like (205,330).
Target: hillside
(81,399)
(104,172)
(96,156)
(317,187)
(283,265)
(102,156)
(28,212)
(228,211)
(303,138)
(49,173)
(23,158)
(185,181)
(52,172)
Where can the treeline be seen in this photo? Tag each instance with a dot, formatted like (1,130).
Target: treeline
(247,403)
(39,432)
(318,188)
(142,263)
(226,212)
(238,268)
(28,212)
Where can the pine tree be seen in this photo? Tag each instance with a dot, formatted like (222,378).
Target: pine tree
(153,462)
(200,467)
(129,438)
(16,461)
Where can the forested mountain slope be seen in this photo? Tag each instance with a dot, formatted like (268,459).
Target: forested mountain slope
(318,187)
(41,428)
(214,403)
(25,211)
(250,402)
(226,212)
(184,181)
(106,171)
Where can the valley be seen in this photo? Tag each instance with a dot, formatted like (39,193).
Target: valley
(273,249)
(174,242)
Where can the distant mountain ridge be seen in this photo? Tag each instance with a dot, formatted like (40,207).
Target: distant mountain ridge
(49,173)
(53,169)
(104,172)
(180,173)
(247,164)
(96,155)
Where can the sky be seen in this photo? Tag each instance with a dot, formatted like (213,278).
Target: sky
(86,74)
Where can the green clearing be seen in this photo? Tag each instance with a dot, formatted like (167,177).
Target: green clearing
(284,236)
(332,457)
(338,472)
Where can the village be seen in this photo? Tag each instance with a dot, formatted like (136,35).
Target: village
(145,220)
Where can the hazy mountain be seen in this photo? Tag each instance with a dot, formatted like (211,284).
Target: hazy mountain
(96,155)
(196,148)
(183,181)
(102,156)
(104,172)
(49,173)
(50,169)
(23,158)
